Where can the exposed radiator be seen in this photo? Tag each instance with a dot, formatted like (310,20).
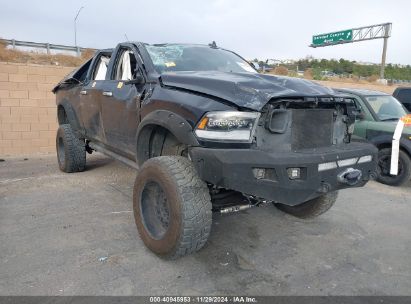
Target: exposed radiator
(311,128)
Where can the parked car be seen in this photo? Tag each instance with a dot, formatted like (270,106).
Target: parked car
(403,94)
(379,118)
(208,133)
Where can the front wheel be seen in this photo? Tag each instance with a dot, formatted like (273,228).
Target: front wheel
(384,165)
(172,207)
(311,208)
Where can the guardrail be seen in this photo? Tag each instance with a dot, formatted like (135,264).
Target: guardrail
(46,46)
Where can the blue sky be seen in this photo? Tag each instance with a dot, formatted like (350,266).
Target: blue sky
(258,28)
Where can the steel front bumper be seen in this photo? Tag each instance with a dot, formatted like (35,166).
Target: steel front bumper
(240,170)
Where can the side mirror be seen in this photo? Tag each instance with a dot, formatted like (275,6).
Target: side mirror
(360,115)
(138,80)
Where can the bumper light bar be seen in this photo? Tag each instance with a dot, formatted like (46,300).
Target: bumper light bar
(344,163)
(347,162)
(327,166)
(365,159)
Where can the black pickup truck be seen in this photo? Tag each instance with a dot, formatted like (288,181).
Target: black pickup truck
(208,133)
(403,94)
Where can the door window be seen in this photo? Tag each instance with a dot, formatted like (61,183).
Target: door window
(100,69)
(386,107)
(126,68)
(360,106)
(404,96)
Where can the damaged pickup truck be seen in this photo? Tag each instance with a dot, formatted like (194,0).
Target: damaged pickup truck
(208,133)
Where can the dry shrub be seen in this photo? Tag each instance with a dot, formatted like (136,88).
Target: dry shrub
(358,85)
(87,54)
(308,74)
(10,55)
(2,44)
(373,78)
(280,70)
(355,78)
(18,56)
(337,79)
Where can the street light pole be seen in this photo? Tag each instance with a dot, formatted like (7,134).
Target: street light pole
(75,30)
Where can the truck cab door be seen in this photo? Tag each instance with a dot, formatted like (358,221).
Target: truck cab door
(90,98)
(361,123)
(120,102)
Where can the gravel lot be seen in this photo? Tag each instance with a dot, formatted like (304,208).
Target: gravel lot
(74,234)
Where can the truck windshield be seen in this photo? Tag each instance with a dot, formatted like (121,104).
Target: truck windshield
(180,57)
(386,107)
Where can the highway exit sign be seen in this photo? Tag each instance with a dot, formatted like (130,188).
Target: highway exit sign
(332,38)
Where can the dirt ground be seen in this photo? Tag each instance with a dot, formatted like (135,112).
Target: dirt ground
(74,234)
(359,85)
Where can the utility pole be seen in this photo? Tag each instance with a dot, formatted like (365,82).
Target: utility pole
(387,30)
(75,31)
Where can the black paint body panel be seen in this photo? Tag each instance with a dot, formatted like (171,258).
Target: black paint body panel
(233,169)
(403,94)
(120,117)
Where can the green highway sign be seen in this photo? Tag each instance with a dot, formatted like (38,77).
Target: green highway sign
(332,38)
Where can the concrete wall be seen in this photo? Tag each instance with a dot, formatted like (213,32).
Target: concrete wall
(28,119)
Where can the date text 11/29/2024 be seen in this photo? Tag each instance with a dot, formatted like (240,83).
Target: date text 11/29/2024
(203,299)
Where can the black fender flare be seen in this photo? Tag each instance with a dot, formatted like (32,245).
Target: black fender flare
(405,144)
(71,116)
(172,122)
(381,139)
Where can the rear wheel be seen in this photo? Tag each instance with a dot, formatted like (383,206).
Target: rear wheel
(311,208)
(172,207)
(384,165)
(71,151)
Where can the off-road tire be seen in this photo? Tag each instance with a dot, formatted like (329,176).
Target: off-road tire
(187,200)
(311,208)
(71,151)
(404,168)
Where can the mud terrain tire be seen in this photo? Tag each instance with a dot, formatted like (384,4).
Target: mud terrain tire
(172,207)
(71,151)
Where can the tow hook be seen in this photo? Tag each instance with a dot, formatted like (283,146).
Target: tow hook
(350,176)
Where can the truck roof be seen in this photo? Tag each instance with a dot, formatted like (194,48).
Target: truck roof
(402,88)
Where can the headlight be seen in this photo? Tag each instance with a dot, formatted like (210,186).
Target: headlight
(228,126)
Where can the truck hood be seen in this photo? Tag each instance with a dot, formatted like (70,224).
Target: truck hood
(246,90)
